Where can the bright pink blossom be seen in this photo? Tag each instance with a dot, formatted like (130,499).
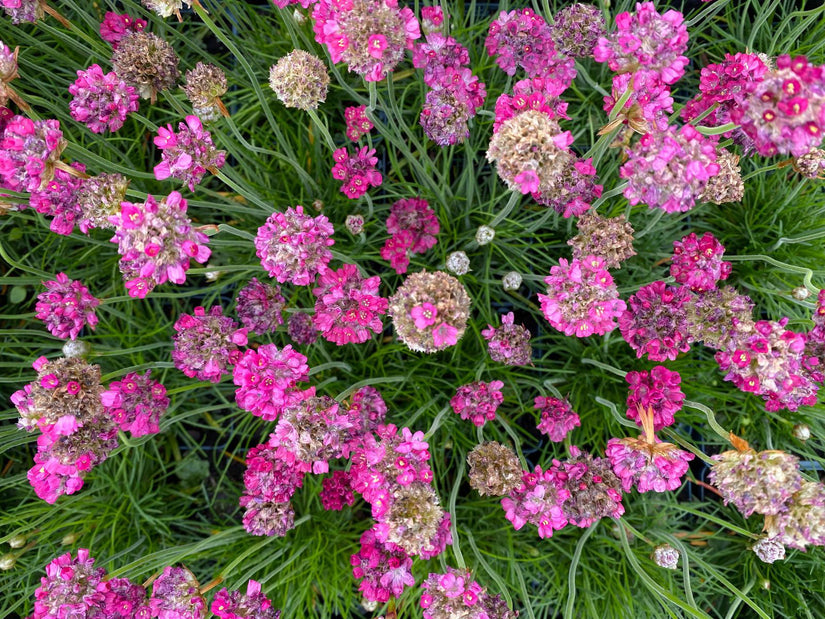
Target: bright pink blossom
(101,102)
(66,307)
(356,170)
(478,401)
(187,154)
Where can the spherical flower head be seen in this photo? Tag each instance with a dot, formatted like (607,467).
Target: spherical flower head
(610,238)
(370,36)
(292,246)
(785,112)
(273,474)
(538,500)
(595,491)
(205,85)
(458,263)
(412,519)
(348,308)
(206,342)
(357,122)
(718,317)
(175,595)
(354,224)
(655,321)
(156,242)
(250,605)
(658,390)
(649,466)
(574,190)
(451,305)
(22,11)
(485,235)
(122,598)
(646,44)
(187,154)
(259,306)
(28,152)
(69,587)
(557,418)
(804,521)
(576,29)
(669,169)
(581,298)
(437,54)
(666,556)
(756,482)
(98,199)
(267,380)
(644,110)
(57,199)
(101,101)
(268,518)
(384,569)
(115,26)
(812,164)
(301,329)
(494,469)
(357,171)
(538,93)
(300,80)
(413,225)
(511,280)
(478,401)
(727,185)
(455,97)
(697,262)
(75,348)
(136,403)
(802,432)
(769,549)
(147,63)
(337,491)
(510,343)
(166,8)
(66,306)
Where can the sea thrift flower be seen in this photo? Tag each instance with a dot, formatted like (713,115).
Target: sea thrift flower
(718,317)
(494,469)
(101,102)
(356,170)
(412,519)
(511,280)
(205,85)
(259,306)
(458,262)
(478,401)
(22,11)
(273,473)
(8,73)
(57,199)
(769,549)
(268,378)
(156,241)
(643,111)
(538,500)
(666,556)
(166,8)
(147,63)
(510,343)
(669,169)
(646,44)
(66,307)
(576,29)
(655,321)
(367,410)
(573,191)
(301,329)
(29,150)
(70,587)
(370,36)
(293,246)
(557,418)
(581,298)
(175,595)
(122,598)
(756,482)
(727,185)
(136,403)
(658,390)
(804,521)
(697,262)
(537,93)
(357,122)
(454,99)
(485,235)
(811,164)
(445,300)
(337,491)
(431,18)
(354,224)
(300,80)
(98,200)
(456,594)
(250,605)
(348,309)
(413,225)
(609,238)
(595,491)
(116,26)
(437,54)
(262,518)
(383,569)
(206,343)
(187,154)
(785,111)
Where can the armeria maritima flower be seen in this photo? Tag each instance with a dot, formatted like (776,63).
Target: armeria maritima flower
(455,595)
(206,343)
(510,343)
(384,569)
(655,321)
(357,122)
(494,469)
(58,199)
(610,238)
(175,595)
(557,418)
(136,403)
(147,63)
(337,491)
(413,225)
(187,154)
(66,307)
(594,490)
(658,390)
(348,308)
(538,501)
(98,199)
(101,102)
(300,80)
(29,150)
(250,605)
(115,26)
(69,588)
(357,171)
(259,306)
(205,85)
(478,401)
(804,521)
(697,262)
(576,29)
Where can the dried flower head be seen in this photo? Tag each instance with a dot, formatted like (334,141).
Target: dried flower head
(147,63)
(300,80)
(167,8)
(576,29)
(301,329)
(804,521)
(727,184)
(595,491)
(769,549)
(98,199)
(610,238)
(175,595)
(458,263)
(494,469)
(205,85)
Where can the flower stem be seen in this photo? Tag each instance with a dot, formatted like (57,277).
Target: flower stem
(711,418)
(322,128)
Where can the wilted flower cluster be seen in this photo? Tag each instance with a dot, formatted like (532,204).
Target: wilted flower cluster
(205,85)
(187,154)
(98,199)
(300,80)
(147,63)
(454,594)
(301,329)
(576,29)
(494,469)
(510,343)
(609,238)
(21,11)
(655,321)
(206,343)
(727,184)
(136,403)
(478,401)
(557,418)
(101,102)
(273,474)
(250,605)
(348,309)
(259,306)
(267,380)
(337,491)
(66,306)
(175,594)
(413,225)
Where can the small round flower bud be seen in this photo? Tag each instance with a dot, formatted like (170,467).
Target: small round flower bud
(299,18)
(666,556)
(802,431)
(766,584)
(318,205)
(18,541)
(70,539)
(800,293)
(458,263)
(511,280)
(355,224)
(369,605)
(300,80)
(484,235)
(7,561)
(769,549)
(75,348)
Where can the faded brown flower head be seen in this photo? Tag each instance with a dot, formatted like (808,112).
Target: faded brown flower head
(727,186)
(99,198)
(205,85)
(804,521)
(146,62)
(300,80)
(166,8)
(610,238)
(413,516)
(717,316)
(812,164)
(494,469)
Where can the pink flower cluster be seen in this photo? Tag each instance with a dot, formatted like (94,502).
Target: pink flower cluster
(581,297)
(348,308)
(658,390)
(536,93)
(510,343)
(292,246)
(456,594)
(643,111)
(136,403)
(273,474)
(413,225)
(58,199)
(28,150)
(156,241)
(478,401)
(538,501)
(357,171)
(175,595)
(655,321)
(431,18)
(453,99)
(697,262)
(357,122)
(101,102)
(250,605)
(657,466)
(66,306)
(384,569)
(205,343)
(438,53)
(267,380)
(557,418)
(116,26)
(259,306)
(187,154)
(337,491)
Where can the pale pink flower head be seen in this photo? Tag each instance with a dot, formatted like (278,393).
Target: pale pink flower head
(188,154)
(349,307)
(101,101)
(66,307)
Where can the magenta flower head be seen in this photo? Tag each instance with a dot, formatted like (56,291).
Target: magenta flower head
(156,242)
(116,26)
(437,54)
(697,262)
(70,587)
(348,307)
(259,306)
(187,154)
(581,298)
(136,403)
(413,225)
(478,401)
(175,595)
(431,18)
(356,170)
(292,246)
(206,343)
(538,501)
(336,491)
(59,199)
(557,418)
(369,35)
(384,569)
(250,605)
(454,99)
(655,321)
(28,152)
(357,122)
(66,307)
(101,102)
(657,390)
(456,594)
